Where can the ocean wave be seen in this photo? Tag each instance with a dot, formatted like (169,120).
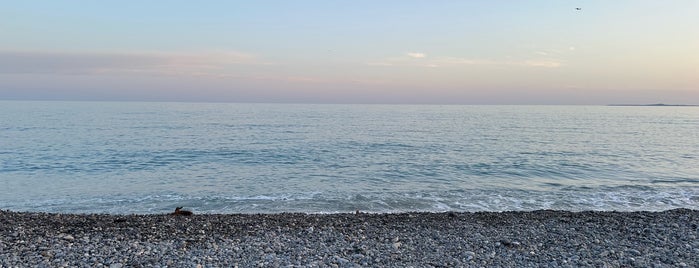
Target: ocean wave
(615,198)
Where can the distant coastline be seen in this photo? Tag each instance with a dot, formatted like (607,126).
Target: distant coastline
(656,104)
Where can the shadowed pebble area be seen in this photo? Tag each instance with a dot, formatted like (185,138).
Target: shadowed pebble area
(482,239)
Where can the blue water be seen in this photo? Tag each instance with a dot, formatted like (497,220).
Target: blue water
(126,157)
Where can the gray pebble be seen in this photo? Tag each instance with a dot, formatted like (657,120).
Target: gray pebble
(483,239)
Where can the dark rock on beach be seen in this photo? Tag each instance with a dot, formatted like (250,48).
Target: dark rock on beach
(453,239)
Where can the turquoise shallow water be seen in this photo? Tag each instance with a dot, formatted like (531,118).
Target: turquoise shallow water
(126,157)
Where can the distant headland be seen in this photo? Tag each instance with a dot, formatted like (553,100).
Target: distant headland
(655,104)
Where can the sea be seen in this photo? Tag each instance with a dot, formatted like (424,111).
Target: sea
(148,158)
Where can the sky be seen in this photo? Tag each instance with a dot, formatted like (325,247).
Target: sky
(360,51)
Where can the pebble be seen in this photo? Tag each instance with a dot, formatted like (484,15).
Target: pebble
(454,239)
(66,237)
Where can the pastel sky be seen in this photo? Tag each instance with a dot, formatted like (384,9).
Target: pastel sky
(359,51)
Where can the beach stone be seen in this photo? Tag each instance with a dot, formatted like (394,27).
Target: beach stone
(341,260)
(483,239)
(66,237)
(469,255)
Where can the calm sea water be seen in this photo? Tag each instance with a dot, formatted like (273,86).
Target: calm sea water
(86,157)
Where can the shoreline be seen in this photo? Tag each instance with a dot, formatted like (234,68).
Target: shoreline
(420,239)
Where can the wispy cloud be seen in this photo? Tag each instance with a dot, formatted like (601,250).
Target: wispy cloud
(554,52)
(434,62)
(416,55)
(16,62)
(447,61)
(541,63)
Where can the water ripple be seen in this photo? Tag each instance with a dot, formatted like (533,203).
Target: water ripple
(218,158)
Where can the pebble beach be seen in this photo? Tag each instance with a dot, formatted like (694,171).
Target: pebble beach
(541,238)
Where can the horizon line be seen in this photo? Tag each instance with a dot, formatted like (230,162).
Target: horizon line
(351,103)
